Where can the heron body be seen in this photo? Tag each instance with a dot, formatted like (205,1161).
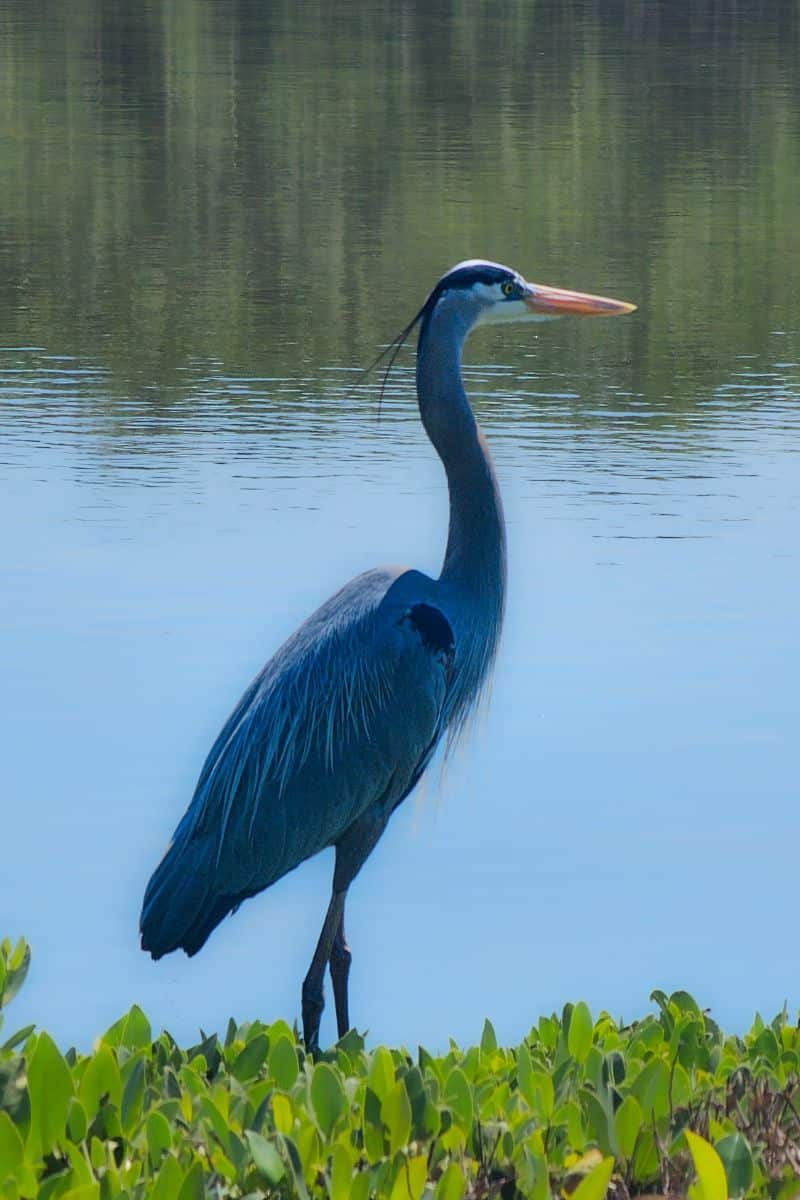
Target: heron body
(340,724)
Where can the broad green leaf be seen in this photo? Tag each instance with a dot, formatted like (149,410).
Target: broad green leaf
(11,1148)
(580,1167)
(84,1191)
(737,1159)
(282,1113)
(251,1059)
(471,1062)
(457,1095)
(25,1182)
(488,1038)
(595,1185)
(427,1063)
(301,1154)
(680,1087)
(222,1165)
(359,1188)
(327,1097)
(14,971)
(757,1026)
(372,1126)
(612,1067)
(81,1171)
(711,1181)
(600,1121)
(579,1039)
(209,1111)
(16,1039)
(352,1044)
(50,1090)
(159,1137)
(645,1166)
(341,1173)
(101,1078)
(548,1032)
(309,1144)
(685,1003)
(628,1120)
(283,1064)
(431,1119)
(168,1182)
(381,1072)
(193,1186)
(132,1031)
(542,1095)
(396,1116)
(766,1046)
(570,1115)
(418,1098)
(524,1072)
(595,1070)
(410,1179)
(266,1157)
(532,1173)
(208,1049)
(280,1029)
(651,1088)
(192,1080)
(452,1184)
(132,1095)
(77,1123)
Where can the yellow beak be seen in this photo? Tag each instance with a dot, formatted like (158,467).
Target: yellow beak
(559,302)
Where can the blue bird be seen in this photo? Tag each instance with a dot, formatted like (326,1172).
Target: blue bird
(340,724)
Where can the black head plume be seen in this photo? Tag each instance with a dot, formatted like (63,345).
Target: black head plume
(463,275)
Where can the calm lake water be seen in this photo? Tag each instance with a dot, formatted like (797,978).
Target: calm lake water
(213,215)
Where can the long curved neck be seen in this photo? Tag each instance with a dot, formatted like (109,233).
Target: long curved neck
(475,558)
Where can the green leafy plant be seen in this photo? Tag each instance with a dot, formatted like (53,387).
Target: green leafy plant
(583,1108)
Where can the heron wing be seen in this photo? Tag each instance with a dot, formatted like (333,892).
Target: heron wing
(346,714)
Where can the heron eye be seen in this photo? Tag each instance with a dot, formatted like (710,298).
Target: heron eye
(508,288)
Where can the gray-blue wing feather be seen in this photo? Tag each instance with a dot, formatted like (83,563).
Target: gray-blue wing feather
(346,714)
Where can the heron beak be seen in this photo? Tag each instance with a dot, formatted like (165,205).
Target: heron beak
(559,302)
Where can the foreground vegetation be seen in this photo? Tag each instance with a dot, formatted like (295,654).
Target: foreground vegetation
(580,1108)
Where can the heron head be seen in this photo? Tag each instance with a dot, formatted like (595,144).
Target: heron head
(479,292)
(491,294)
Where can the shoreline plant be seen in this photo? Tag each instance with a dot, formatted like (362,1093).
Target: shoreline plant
(583,1108)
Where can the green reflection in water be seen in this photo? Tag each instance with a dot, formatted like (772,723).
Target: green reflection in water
(266,190)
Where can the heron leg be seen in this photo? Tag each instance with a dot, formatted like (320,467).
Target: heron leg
(352,851)
(313,994)
(340,970)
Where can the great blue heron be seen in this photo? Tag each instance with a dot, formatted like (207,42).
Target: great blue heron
(341,723)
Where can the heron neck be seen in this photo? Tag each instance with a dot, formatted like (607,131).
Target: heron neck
(475,556)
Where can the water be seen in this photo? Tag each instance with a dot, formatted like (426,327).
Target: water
(212,218)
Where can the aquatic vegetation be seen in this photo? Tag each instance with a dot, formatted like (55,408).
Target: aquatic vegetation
(584,1107)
